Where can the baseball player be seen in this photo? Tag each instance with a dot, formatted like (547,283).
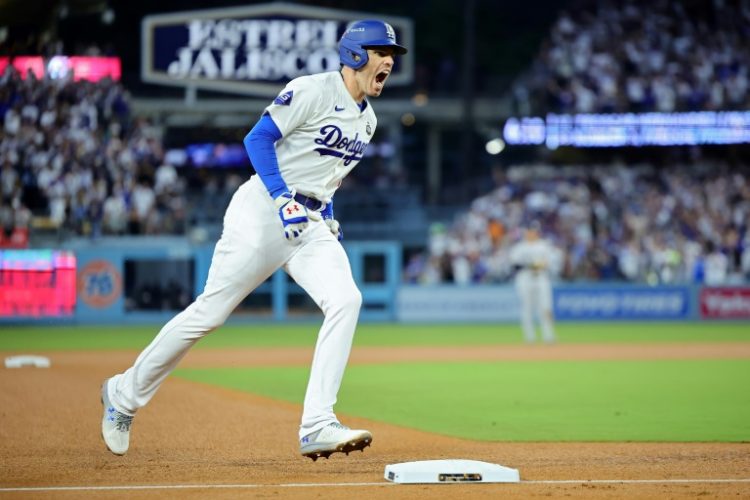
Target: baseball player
(532,258)
(307,140)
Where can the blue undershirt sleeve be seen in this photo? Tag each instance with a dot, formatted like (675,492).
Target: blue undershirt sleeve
(259,144)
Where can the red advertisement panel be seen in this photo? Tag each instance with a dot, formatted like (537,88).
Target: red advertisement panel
(26,64)
(81,68)
(37,283)
(725,303)
(94,69)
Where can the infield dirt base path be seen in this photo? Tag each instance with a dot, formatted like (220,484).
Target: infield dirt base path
(208,442)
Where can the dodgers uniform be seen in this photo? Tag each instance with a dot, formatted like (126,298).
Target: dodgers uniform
(533,259)
(305,143)
(324,135)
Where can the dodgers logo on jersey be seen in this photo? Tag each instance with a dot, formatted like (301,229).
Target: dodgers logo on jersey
(284,99)
(349,148)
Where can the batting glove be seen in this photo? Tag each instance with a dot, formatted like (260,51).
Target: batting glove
(294,216)
(333,224)
(335,228)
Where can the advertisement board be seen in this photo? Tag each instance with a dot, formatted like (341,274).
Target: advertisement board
(630,129)
(724,303)
(78,68)
(37,284)
(481,303)
(624,302)
(254,49)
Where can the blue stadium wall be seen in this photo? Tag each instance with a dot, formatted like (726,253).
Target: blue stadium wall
(101,297)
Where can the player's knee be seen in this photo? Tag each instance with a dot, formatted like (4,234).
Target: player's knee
(349,301)
(206,318)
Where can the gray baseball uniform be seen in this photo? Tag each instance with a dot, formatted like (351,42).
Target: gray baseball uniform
(534,287)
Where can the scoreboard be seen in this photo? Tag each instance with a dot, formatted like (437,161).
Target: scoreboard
(37,283)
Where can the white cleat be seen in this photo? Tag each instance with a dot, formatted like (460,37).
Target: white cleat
(115,425)
(334,438)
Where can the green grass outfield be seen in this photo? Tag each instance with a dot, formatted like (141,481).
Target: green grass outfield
(368,334)
(704,400)
(669,400)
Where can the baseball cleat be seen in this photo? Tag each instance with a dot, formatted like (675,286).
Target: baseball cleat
(334,438)
(115,425)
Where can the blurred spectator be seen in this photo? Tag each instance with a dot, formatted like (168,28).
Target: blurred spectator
(642,55)
(72,155)
(716,265)
(636,223)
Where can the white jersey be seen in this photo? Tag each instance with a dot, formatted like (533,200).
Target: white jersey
(536,259)
(325,133)
(535,256)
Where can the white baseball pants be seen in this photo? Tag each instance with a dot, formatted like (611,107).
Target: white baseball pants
(535,293)
(251,248)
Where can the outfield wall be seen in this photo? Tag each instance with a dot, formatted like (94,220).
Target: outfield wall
(136,280)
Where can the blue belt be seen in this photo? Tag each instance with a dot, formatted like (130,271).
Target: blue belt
(308,201)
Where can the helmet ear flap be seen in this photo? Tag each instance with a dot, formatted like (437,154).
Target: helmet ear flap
(352,54)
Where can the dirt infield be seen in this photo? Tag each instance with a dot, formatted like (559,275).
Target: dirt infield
(199,441)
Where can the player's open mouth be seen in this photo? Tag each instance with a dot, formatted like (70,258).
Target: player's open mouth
(381,77)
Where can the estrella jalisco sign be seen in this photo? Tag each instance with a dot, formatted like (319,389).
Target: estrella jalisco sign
(254,49)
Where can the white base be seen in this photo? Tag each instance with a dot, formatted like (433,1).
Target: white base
(26,360)
(450,471)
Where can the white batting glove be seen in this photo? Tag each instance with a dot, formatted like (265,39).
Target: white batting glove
(294,216)
(335,228)
(333,224)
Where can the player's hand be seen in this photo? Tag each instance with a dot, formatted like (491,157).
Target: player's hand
(333,224)
(539,266)
(335,228)
(294,216)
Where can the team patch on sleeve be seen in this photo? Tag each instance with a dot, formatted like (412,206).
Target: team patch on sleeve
(284,99)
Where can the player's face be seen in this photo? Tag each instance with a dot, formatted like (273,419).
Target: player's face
(371,79)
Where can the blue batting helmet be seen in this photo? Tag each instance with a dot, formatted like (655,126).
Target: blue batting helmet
(363,35)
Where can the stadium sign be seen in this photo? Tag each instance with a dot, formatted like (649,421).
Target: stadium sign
(447,303)
(253,50)
(630,129)
(623,302)
(99,284)
(724,302)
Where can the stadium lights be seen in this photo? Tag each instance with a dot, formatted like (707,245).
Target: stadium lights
(408,119)
(420,99)
(495,146)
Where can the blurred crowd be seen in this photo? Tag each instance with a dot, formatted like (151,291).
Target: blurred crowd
(635,223)
(73,158)
(642,55)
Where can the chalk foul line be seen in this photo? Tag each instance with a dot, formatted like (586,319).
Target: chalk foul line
(331,485)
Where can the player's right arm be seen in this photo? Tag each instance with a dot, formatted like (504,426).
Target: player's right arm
(516,257)
(260,146)
(289,110)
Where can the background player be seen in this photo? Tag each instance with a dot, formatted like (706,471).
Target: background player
(306,142)
(533,257)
